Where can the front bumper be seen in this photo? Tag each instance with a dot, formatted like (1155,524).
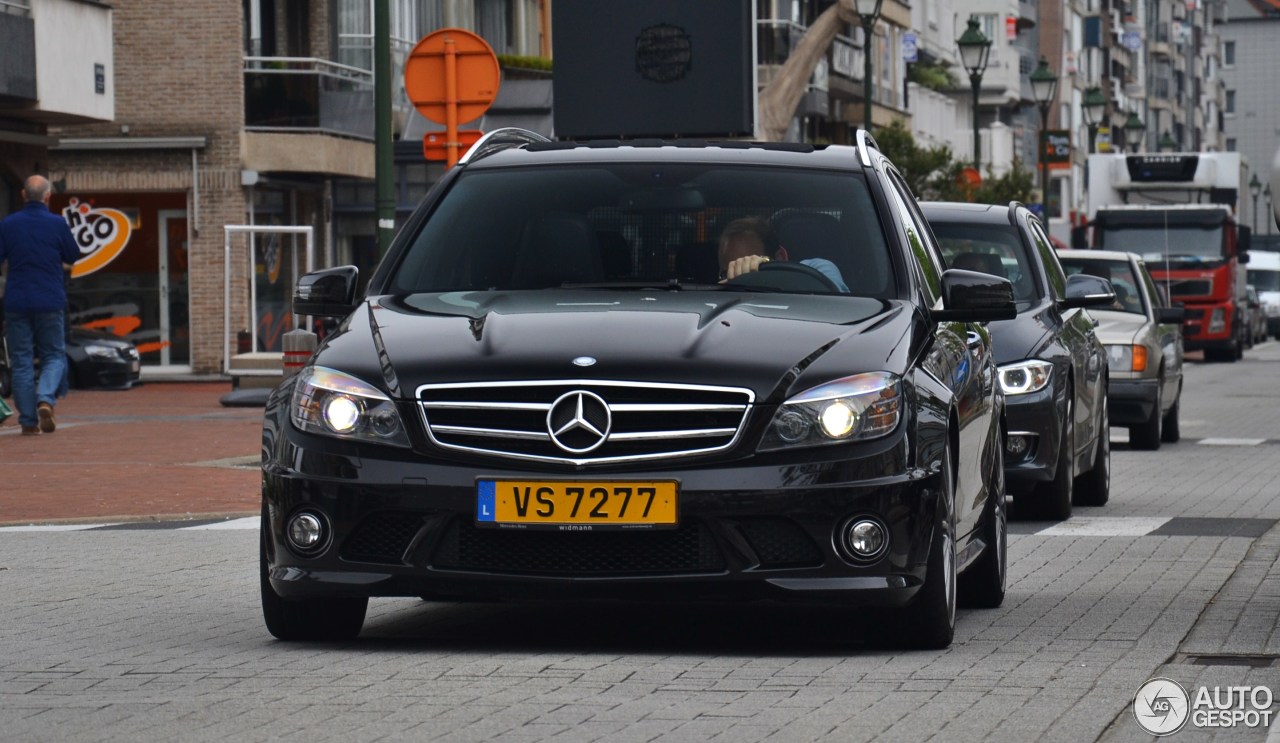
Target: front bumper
(95,373)
(1196,335)
(1037,417)
(1130,401)
(405,526)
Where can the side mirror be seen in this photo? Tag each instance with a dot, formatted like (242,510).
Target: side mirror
(970,296)
(1080,237)
(1170,315)
(1243,257)
(330,292)
(1084,290)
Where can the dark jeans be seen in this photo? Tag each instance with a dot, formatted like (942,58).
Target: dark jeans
(29,333)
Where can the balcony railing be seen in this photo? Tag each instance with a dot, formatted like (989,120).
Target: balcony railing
(307,94)
(16,7)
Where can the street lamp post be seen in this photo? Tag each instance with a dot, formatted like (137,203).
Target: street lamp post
(1270,216)
(1255,190)
(1044,86)
(1134,130)
(1094,107)
(868,12)
(975,49)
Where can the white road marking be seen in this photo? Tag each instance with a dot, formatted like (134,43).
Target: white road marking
(1230,442)
(52,527)
(1114,526)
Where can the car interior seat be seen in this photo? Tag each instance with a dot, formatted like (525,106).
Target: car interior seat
(556,249)
(981,262)
(807,235)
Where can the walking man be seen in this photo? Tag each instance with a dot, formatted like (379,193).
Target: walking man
(38,247)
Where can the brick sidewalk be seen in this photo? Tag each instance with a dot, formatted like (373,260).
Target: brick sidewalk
(158,450)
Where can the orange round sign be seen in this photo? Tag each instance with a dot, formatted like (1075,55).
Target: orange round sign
(475,71)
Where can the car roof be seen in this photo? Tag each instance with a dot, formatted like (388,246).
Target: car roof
(1106,255)
(785,154)
(959,211)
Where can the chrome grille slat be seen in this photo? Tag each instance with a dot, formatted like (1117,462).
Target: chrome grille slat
(497,433)
(648,421)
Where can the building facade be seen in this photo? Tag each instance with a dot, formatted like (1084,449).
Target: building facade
(239,112)
(1252,99)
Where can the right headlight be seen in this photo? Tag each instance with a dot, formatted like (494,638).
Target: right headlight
(1025,377)
(1126,358)
(99,351)
(331,403)
(857,408)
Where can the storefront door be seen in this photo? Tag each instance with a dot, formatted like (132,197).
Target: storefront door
(175,343)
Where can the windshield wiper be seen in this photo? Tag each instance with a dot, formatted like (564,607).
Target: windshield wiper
(673,285)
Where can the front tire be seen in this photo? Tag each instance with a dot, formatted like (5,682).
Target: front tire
(1093,488)
(1172,431)
(315,620)
(1148,434)
(930,620)
(982,586)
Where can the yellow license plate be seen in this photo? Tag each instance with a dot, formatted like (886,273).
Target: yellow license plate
(571,506)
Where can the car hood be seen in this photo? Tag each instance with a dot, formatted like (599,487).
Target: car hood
(772,344)
(1023,337)
(85,336)
(1118,327)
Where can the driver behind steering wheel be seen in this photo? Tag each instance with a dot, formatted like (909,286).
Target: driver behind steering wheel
(748,243)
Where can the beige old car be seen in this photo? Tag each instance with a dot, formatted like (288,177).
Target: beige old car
(1143,338)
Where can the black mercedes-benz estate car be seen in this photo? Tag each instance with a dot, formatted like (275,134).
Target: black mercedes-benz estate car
(547,391)
(1052,366)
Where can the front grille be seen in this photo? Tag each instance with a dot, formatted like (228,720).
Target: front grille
(1191,288)
(780,543)
(643,420)
(382,537)
(690,548)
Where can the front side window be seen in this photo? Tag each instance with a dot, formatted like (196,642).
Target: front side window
(1129,296)
(620,225)
(989,248)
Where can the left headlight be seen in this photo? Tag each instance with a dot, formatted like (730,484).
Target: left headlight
(101,352)
(857,408)
(331,403)
(1025,377)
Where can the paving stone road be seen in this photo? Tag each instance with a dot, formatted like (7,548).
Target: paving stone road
(153,631)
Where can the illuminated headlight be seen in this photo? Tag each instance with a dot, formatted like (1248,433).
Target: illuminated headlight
(857,408)
(336,404)
(1025,377)
(1218,320)
(101,352)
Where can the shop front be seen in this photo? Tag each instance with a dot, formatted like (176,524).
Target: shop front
(133,277)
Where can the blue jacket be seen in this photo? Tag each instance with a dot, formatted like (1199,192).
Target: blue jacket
(36,242)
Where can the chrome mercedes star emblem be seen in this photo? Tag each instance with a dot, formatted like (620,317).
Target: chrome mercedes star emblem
(584,361)
(579,421)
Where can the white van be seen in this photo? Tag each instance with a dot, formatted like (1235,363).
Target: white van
(1264,275)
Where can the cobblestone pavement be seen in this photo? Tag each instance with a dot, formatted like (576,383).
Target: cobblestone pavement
(126,633)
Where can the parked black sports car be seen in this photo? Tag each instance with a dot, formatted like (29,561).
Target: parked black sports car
(1053,368)
(548,392)
(98,360)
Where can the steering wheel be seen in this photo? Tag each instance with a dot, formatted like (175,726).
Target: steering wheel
(787,276)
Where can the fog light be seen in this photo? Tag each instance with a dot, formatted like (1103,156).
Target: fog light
(1017,446)
(864,538)
(306,531)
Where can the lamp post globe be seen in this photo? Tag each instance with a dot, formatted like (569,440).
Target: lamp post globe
(975,51)
(1255,190)
(1167,143)
(1094,108)
(1134,130)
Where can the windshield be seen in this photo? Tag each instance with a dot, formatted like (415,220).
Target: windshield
(993,249)
(645,225)
(1183,242)
(1265,281)
(1120,273)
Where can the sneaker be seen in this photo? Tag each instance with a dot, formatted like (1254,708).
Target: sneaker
(45,412)
(30,431)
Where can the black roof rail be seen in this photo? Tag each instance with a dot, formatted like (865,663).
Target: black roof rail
(866,142)
(498,140)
